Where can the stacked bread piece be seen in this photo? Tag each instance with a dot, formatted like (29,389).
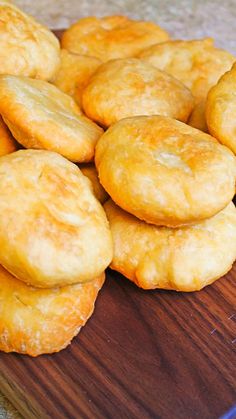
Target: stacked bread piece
(55,239)
(172,220)
(177,183)
(55,245)
(172,224)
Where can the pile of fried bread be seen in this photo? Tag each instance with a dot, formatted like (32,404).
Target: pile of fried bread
(117,149)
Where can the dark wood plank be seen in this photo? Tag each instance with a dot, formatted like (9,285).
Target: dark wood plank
(143,354)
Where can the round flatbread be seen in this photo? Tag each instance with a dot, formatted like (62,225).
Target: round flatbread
(53,231)
(130,87)
(181,259)
(37,321)
(165,172)
(27,48)
(111,37)
(198,63)
(41,116)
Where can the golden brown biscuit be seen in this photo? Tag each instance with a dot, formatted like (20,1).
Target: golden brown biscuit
(111,37)
(74,73)
(221,110)
(165,172)
(181,259)
(27,48)
(53,231)
(7,142)
(197,118)
(198,64)
(129,87)
(36,321)
(40,116)
(90,171)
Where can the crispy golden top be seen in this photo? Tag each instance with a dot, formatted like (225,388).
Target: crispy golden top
(128,87)
(165,172)
(198,63)
(111,37)
(53,231)
(43,117)
(27,48)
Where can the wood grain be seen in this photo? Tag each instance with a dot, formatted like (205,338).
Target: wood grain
(143,354)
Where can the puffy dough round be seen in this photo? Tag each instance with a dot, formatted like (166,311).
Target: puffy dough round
(198,64)
(90,171)
(40,116)
(27,48)
(221,110)
(74,73)
(36,321)
(129,87)
(183,259)
(197,118)
(111,37)
(165,172)
(53,231)
(7,142)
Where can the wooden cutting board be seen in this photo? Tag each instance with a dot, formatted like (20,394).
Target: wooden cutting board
(143,354)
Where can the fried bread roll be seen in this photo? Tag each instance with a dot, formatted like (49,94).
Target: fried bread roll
(27,48)
(130,87)
(165,172)
(53,231)
(198,63)
(41,116)
(111,37)
(181,259)
(37,321)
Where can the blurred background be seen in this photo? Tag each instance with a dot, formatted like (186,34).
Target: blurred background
(184,19)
